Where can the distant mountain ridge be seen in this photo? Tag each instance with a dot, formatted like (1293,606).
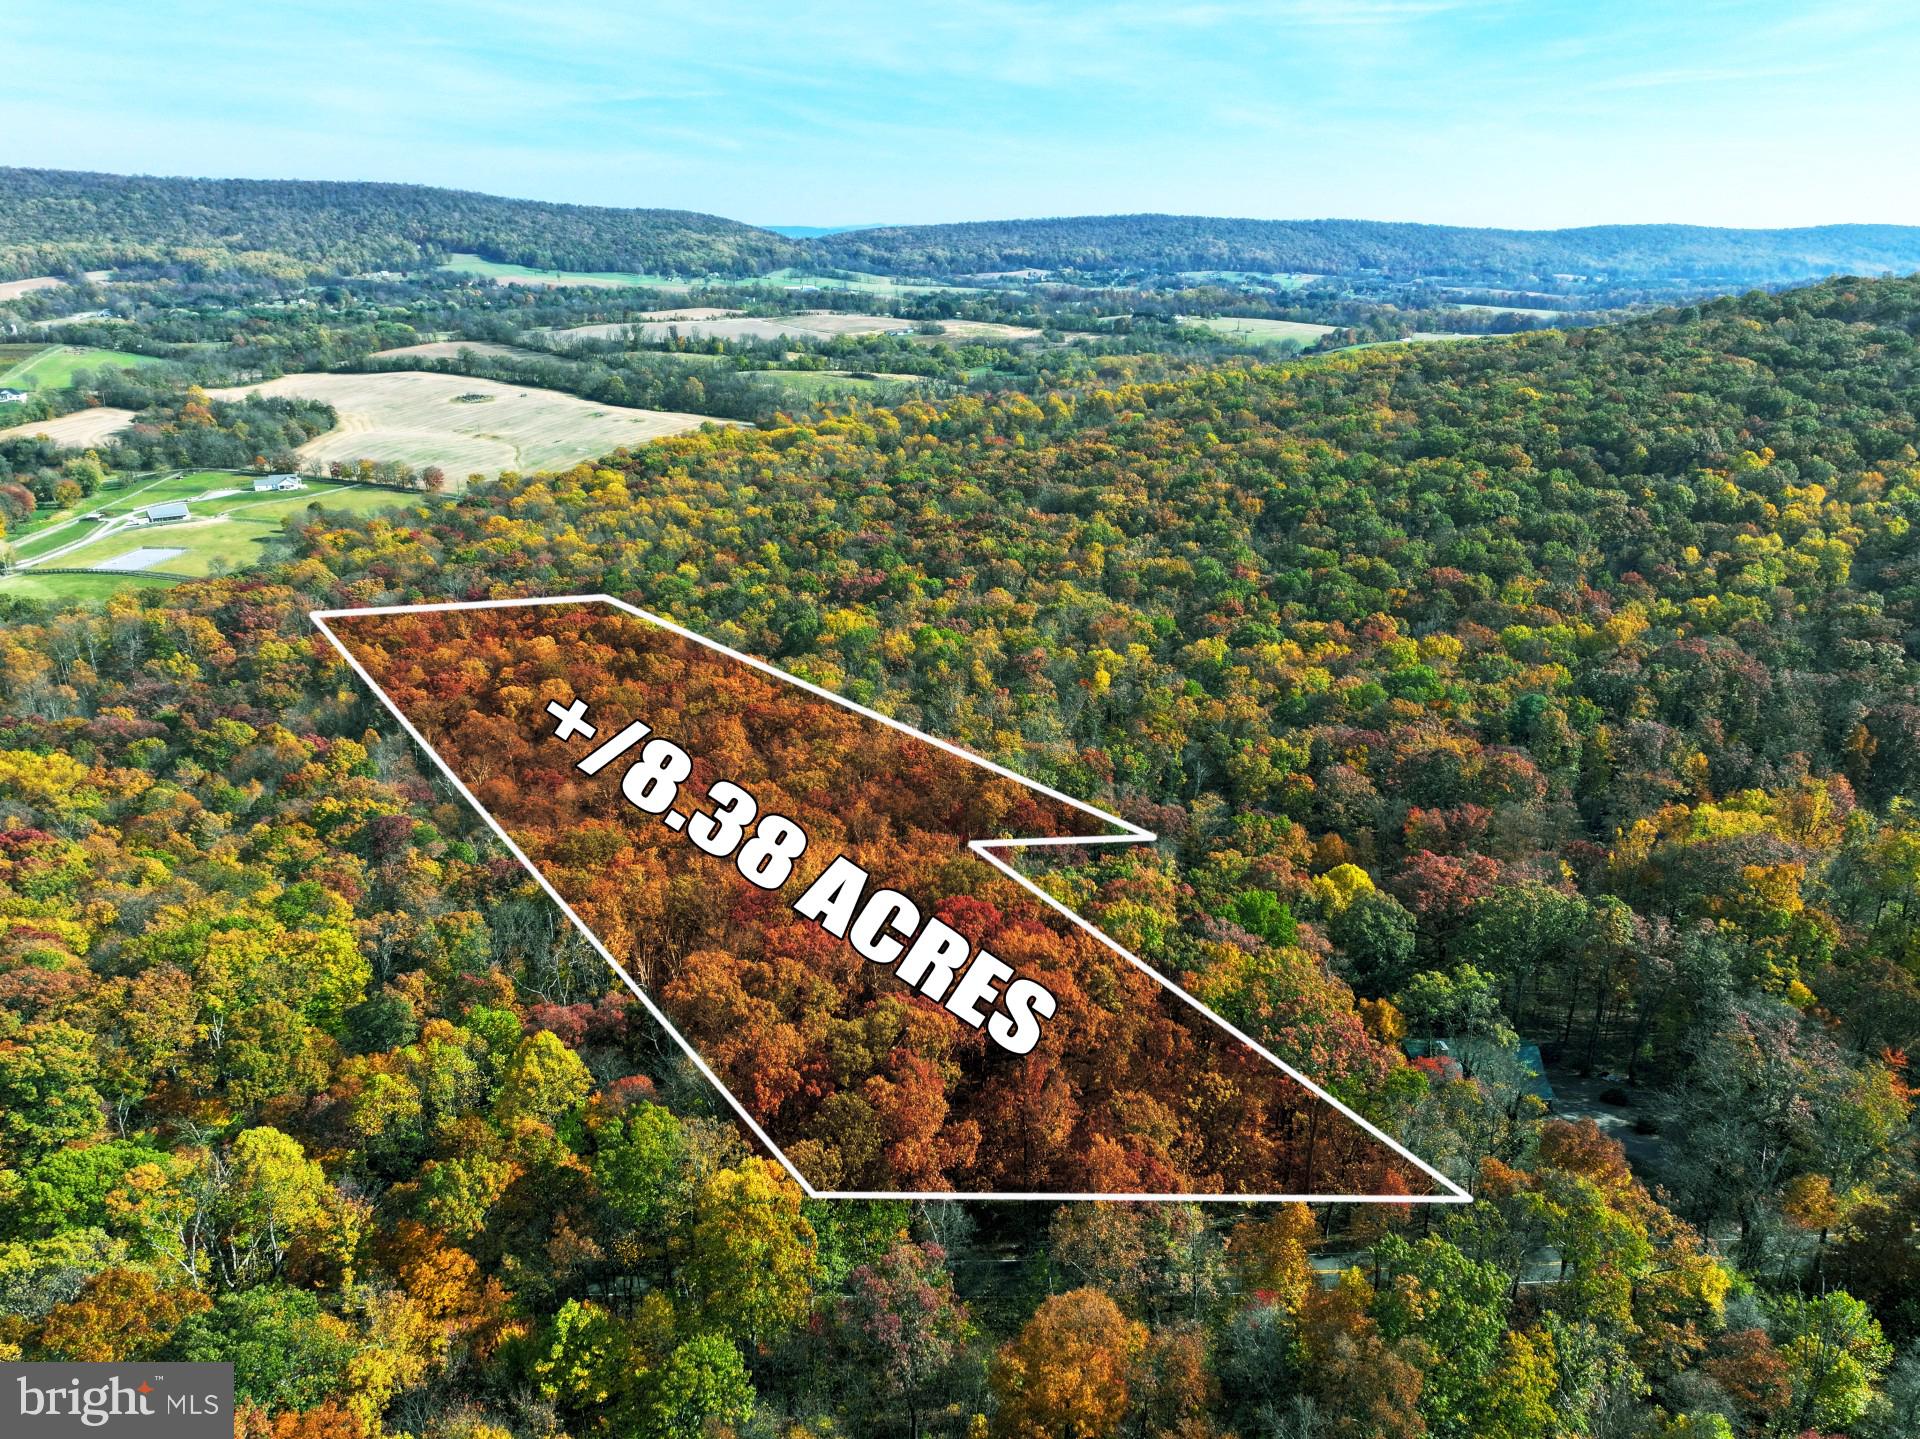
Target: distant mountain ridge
(54,220)
(1196,242)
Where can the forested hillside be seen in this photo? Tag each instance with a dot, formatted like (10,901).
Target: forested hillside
(1342,247)
(1562,689)
(54,221)
(57,221)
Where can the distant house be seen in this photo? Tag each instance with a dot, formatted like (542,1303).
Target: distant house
(168,510)
(1521,1066)
(265,483)
(7,397)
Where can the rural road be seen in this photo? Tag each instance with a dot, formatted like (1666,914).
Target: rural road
(99,532)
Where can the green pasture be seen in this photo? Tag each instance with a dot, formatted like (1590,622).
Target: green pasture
(74,589)
(52,367)
(227,532)
(1285,280)
(1262,334)
(836,385)
(50,529)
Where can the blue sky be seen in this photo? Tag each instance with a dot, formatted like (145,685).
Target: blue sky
(1505,112)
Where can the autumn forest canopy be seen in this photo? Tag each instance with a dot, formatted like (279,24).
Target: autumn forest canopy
(1530,727)
(891,1078)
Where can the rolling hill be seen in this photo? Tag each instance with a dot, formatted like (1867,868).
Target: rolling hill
(1195,242)
(57,221)
(53,221)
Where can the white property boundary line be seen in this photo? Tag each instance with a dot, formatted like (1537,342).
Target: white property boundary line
(1450,1192)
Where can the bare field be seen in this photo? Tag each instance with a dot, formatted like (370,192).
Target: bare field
(505,274)
(690,312)
(78,430)
(465,426)
(14,289)
(807,325)
(450,350)
(977,330)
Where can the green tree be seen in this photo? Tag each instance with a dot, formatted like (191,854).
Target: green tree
(751,1258)
(1835,1353)
(380,1023)
(271,1053)
(703,1385)
(269,1195)
(1377,934)
(47,1098)
(1460,1010)
(68,1188)
(641,1168)
(1456,1307)
(1263,913)
(589,1365)
(286,1352)
(545,1083)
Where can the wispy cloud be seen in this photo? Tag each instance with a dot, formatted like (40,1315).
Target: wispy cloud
(1501,111)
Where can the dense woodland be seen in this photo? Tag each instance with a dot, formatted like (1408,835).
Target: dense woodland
(1560,689)
(59,222)
(1334,247)
(865,1082)
(56,221)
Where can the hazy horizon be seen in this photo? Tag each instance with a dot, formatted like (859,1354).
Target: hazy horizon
(829,227)
(1463,112)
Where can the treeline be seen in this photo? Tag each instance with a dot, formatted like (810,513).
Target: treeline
(56,221)
(1102,243)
